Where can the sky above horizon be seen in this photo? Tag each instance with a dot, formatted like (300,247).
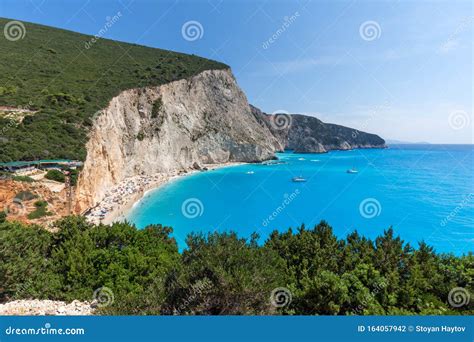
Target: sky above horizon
(403,70)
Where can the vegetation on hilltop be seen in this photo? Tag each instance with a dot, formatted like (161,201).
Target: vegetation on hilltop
(307,272)
(52,72)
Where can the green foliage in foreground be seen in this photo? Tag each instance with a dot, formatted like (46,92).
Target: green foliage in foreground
(66,79)
(141,271)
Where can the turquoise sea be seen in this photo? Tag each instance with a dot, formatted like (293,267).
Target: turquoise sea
(426,192)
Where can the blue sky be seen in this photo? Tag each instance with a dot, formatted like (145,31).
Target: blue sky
(401,69)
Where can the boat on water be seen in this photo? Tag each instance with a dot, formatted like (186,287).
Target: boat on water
(298,179)
(250,172)
(352,171)
(301,159)
(274,163)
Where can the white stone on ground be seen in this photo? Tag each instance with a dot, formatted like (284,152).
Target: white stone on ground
(36,307)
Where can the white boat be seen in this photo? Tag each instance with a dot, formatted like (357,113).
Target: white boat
(352,171)
(298,179)
(278,162)
(301,159)
(250,172)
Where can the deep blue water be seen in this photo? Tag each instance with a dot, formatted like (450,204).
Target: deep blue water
(426,192)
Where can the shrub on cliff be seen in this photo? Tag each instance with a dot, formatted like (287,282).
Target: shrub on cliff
(155,111)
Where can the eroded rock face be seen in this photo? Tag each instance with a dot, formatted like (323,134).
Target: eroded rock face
(182,124)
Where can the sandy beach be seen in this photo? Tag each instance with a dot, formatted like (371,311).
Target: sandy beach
(120,199)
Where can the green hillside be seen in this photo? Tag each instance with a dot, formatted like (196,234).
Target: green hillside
(50,71)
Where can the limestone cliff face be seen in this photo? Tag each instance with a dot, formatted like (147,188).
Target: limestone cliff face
(179,125)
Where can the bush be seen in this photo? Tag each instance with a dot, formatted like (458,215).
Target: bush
(55,175)
(25,196)
(155,111)
(40,211)
(25,268)
(3,216)
(222,274)
(81,258)
(23,179)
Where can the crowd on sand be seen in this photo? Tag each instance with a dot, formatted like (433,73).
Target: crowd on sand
(120,198)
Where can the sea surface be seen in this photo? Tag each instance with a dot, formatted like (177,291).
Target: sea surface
(425,192)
